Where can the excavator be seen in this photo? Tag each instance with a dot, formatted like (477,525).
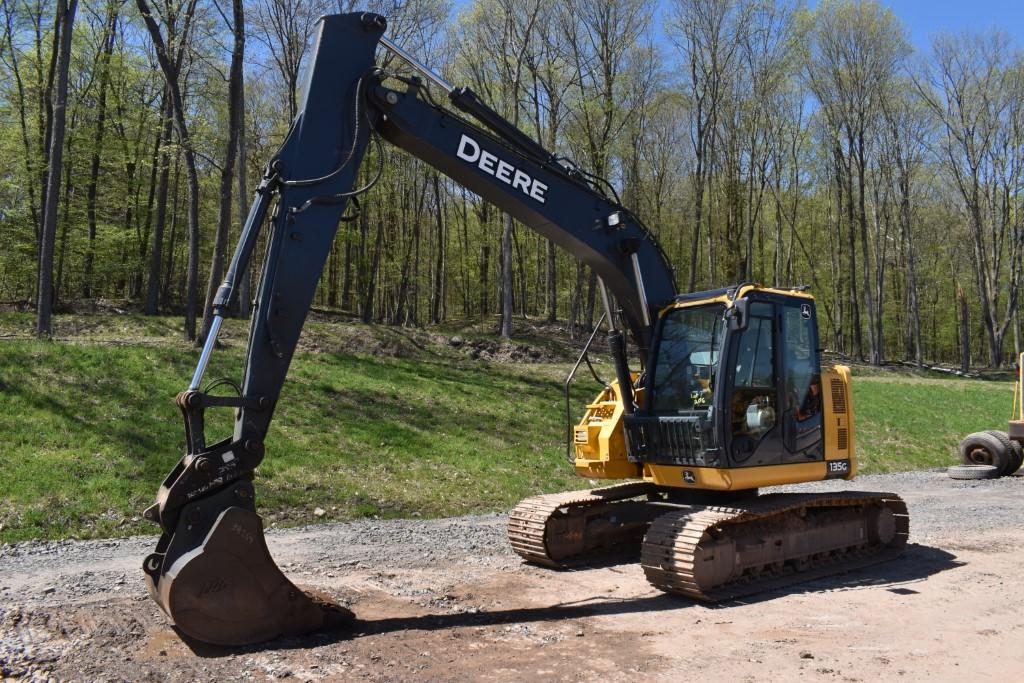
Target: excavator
(727,394)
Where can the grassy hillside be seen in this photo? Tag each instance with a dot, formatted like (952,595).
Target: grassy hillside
(906,423)
(409,425)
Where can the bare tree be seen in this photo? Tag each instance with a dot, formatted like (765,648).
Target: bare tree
(705,33)
(907,137)
(104,53)
(286,28)
(855,51)
(545,95)
(497,39)
(163,163)
(611,60)
(245,281)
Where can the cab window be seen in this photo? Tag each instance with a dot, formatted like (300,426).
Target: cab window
(803,378)
(755,362)
(684,373)
(753,405)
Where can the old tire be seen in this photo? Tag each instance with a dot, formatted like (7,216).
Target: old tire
(1017,451)
(972,472)
(984,448)
(1011,453)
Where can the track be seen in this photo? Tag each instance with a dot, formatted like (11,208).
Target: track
(557,530)
(720,553)
(712,552)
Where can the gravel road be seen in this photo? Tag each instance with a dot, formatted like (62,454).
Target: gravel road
(446,600)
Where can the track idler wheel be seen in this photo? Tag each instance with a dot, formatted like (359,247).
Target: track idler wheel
(216,580)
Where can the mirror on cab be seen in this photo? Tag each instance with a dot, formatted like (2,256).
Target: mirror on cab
(738,315)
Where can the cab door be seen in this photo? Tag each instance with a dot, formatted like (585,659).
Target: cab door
(772,405)
(751,406)
(801,400)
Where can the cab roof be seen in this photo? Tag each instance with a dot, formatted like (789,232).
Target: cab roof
(727,295)
(742,289)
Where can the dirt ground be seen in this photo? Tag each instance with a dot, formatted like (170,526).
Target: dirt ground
(444,600)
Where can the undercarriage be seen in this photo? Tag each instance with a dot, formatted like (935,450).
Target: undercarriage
(712,552)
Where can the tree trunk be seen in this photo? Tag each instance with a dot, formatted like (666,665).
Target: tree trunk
(1016,336)
(698,207)
(227,172)
(591,300)
(577,298)
(858,346)
(165,289)
(63,212)
(106,51)
(908,238)
(144,242)
(506,277)
(171,72)
(44,307)
(371,281)
(485,258)
(869,299)
(45,119)
(163,139)
(346,287)
(551,284)
(437,308)
(965,330)
(245,279)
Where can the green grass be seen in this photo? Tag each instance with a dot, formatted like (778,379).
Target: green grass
(88,426)
(88,431)
(906,423)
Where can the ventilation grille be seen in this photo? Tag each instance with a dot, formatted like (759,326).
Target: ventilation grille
(838,396)
(843,439)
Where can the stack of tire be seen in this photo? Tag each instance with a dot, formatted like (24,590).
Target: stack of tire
(986,455)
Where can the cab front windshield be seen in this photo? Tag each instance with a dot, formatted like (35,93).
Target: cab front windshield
(687,361)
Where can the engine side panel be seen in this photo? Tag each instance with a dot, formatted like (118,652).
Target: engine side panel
(840,455)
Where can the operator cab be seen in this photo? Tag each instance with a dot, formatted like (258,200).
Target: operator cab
(735,382)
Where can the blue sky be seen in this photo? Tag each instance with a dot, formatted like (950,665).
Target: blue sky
(922,18)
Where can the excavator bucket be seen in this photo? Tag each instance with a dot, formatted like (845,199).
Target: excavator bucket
(216,580)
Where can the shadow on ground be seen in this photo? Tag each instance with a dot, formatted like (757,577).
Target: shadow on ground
(437,622)
(917,563)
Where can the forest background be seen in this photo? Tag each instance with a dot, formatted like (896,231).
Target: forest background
(758,140)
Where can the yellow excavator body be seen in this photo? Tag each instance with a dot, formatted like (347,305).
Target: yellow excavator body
(599,439)
(600,445)
(737,401)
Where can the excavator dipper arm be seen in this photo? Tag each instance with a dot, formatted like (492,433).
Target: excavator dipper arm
(211,571)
